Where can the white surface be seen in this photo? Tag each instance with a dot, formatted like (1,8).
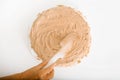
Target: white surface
(103,62)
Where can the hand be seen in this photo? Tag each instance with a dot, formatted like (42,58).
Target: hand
(38,72)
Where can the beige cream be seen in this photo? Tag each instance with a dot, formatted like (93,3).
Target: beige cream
(54,28)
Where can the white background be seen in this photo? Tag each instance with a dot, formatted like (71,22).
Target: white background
(103,16)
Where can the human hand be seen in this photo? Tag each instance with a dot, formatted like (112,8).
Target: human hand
(38,72)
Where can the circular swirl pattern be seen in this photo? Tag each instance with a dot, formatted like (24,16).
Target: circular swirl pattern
(54,28)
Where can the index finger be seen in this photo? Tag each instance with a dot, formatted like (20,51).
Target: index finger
(41,65)
(48,76)
(47,70)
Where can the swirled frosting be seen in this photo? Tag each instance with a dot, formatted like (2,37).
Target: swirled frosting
(55,27)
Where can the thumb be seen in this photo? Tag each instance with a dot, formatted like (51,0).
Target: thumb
(46,70)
